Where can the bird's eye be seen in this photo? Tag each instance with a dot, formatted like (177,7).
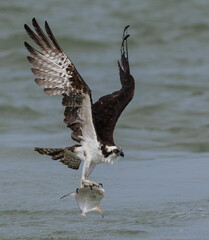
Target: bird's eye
(115,150)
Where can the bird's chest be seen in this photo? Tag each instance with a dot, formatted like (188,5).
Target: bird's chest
(88,151)
(93,154)
(98,157)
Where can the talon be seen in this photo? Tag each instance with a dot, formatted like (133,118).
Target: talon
(85,185)
(88,183)
(91,187)
(100,185)
(77,190)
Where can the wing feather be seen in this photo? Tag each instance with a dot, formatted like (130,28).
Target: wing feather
(41,34)
(36,39)
(51,36)
(45,66)
(57,75)
(108,109)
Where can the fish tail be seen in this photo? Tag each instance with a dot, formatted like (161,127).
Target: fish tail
(83,214)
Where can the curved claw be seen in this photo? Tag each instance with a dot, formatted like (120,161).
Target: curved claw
(87,183)
(101,185)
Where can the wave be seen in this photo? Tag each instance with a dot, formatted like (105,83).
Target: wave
(23,112)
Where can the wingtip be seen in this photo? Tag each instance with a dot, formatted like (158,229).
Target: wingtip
(28,30)
(34,20)
(28,46)
(126,37)
(46,25)
(26,26)
(126,27)
(124,45)
(125,31)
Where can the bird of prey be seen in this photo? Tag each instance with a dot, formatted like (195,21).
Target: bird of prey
(92,124)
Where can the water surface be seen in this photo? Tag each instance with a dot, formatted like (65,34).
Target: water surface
(160,189)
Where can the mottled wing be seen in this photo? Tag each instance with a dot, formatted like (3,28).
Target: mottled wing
(58,76)
(66,156)
(108,109)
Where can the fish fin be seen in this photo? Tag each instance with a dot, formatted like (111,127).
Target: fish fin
(69,194)
(100,211)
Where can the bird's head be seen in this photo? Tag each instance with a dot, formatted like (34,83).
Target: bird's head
(114,151)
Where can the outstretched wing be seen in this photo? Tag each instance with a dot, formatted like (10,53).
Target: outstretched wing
(108,109)
(58,76)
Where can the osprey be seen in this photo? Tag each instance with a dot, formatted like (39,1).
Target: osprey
(92,124)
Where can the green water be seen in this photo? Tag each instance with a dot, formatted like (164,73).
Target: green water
(160,189)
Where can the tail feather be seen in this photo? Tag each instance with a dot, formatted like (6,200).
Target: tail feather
(67,156)
(55,153)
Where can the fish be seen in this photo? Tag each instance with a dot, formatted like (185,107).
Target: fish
(88,198)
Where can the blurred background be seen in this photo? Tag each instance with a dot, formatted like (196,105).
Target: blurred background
(160,189)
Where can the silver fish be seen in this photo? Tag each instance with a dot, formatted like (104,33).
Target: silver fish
(88,198)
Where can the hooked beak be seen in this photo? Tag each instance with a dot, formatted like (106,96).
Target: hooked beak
(121,154)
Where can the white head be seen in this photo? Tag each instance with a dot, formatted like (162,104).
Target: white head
(114,151)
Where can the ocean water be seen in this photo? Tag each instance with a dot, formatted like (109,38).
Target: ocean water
(160,189)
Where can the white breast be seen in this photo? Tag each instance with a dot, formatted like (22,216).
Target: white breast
(93,154)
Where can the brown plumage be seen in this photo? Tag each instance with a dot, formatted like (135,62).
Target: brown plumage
(92,125)
(67,156)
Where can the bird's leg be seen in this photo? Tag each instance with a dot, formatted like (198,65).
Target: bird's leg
(87,169)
